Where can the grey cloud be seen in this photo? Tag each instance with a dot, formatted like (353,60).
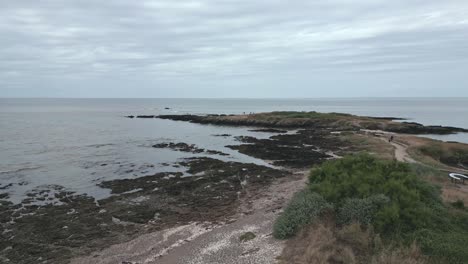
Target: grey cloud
(198,48)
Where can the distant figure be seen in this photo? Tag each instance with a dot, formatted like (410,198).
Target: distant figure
(391,139)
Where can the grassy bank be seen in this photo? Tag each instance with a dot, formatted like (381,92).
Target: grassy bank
(451,154)
(385,201)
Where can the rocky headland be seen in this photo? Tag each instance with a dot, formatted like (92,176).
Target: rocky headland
(53,225)
(315,120)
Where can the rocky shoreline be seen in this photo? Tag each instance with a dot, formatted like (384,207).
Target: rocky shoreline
(53,225)
(315,120)
(78,224)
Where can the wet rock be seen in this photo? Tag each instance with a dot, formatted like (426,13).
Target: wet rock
(269,130)
(314,120)
(211,194)
(215,152)
(146,116)
(222,135)
(189,148)
(37,231)
(184,147)
(130,116)
(301,150)
(416,128)
(247,237)
(6,186)
(78,224)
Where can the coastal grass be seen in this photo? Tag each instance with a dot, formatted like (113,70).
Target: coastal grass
(438,154)
(364,143)
(325,243)
(451,154)
(391,198)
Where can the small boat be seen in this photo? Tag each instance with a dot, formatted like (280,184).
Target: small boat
(458,177)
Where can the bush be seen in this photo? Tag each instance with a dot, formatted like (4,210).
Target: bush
(444,247)
(361,210)
(386,197)
(361,176)
(304,208)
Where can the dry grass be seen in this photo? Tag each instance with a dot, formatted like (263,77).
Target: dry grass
(316,244)
(438,172)
(454,192)
(373,145)
(434,152)
(410,255)
(325,244)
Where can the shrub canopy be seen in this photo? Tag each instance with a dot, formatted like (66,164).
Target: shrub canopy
(303,208)
(363,176)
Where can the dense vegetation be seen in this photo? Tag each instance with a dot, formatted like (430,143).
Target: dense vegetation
(304,208)
(389,197)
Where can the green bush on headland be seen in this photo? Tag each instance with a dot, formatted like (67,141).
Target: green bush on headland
(363,176)
(304,208)
(360,210)
(389,196)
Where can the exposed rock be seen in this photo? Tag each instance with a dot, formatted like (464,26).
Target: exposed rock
(215,152)
(416,128)
(184,147)
(294,120)
(78,224)
(247,237)
(269,130)
(303,149)
(222,135)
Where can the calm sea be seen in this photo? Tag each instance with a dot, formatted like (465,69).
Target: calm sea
(77,143)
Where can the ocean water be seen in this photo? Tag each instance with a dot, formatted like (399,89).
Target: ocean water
(77,143)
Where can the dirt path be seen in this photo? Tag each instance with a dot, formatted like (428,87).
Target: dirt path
(401,153)
(205,243)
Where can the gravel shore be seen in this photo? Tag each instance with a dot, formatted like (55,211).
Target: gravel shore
(207,243)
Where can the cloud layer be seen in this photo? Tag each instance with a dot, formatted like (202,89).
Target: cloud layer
(207,48)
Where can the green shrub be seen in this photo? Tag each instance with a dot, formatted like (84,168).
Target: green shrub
(360,210)
(443,247)
(304,208)
(400,206)
(363,176)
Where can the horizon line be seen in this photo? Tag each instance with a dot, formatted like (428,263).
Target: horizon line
(253,98)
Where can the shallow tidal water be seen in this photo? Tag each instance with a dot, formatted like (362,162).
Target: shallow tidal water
(77,143)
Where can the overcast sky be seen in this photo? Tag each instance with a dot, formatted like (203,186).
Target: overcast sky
(233,48)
